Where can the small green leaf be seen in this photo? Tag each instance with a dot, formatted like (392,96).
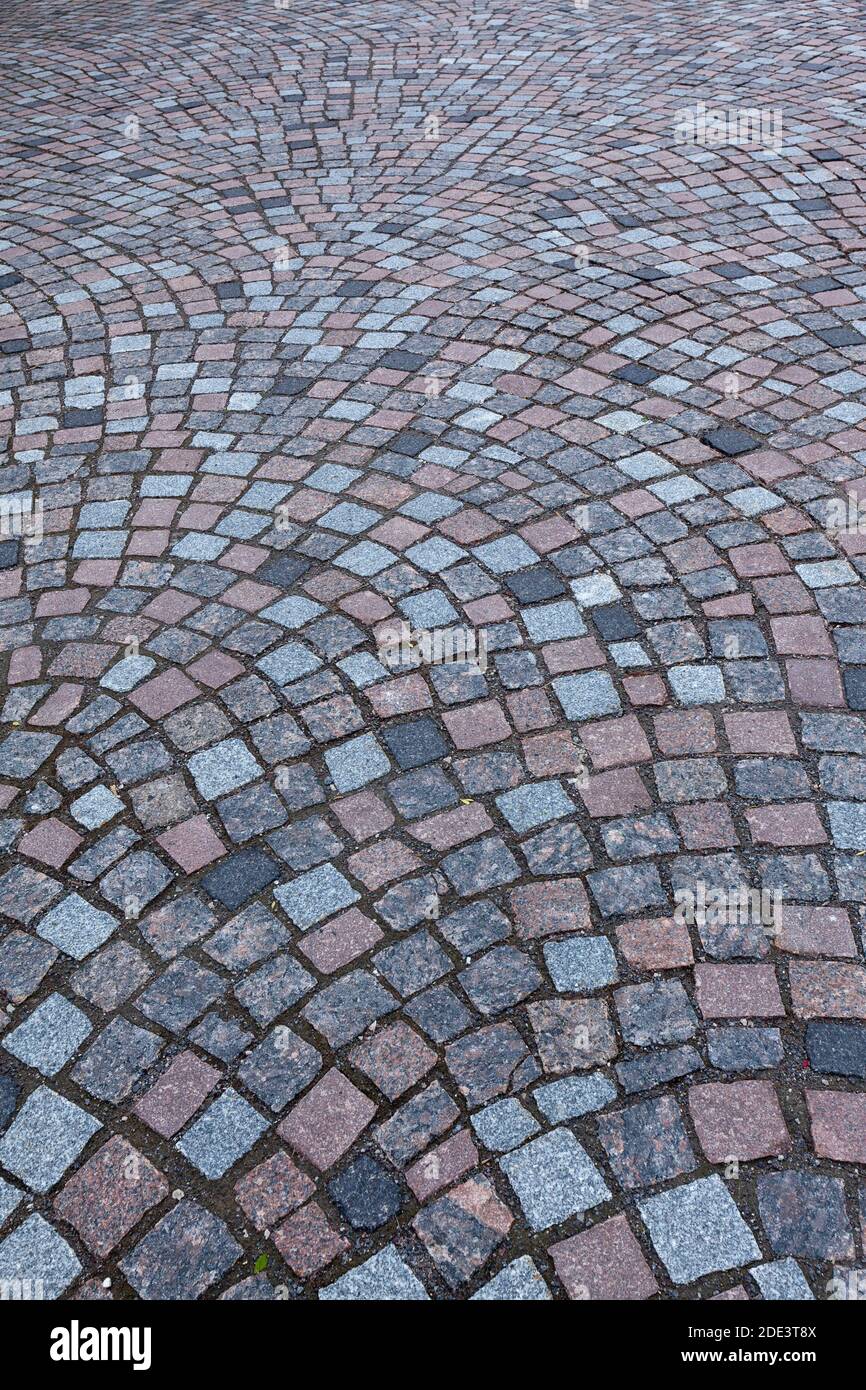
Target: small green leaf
(261,1264)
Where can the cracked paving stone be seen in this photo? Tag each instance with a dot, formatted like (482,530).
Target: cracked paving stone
(462,1229)
(410,1129)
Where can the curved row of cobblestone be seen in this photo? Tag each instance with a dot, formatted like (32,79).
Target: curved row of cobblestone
(335,968)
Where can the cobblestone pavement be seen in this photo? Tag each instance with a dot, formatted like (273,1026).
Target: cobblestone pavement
(329,966)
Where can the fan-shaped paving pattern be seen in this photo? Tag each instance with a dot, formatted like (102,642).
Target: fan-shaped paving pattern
(323,320)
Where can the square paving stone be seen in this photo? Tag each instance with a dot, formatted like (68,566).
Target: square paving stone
(462,1229)
(109,978)
(473,927)
(697,1229)
(527,807)
(343,1010)
(272,1189)
(804,1214)
(486,864)
(503,1125)
(838,1120)
(627,890)
(24,893)
(24,963)
(573,1096)
(413,745)
(180,994)
(738,1120)
(45,1138)
(49,1036)
(367,1194)
(729,440)
(837,1048)
(241,877)
(328,1120)
(177,1094)
(110,1194)
(745,1049)
(572,1034)
(579,965)
(274,988)
(97,807)
(419,1120)
(500,979)
(185,1253)
(782,1280)
(604,1262)
(394,1058)
(647,1143)
(354,764)
(315,895)
(587,696)
(542,909)
(307,1241)
(279,1067)
(38,1259)
(697,685)
(22,753)
(384,1277)
(120,1055)
(485,1063)
(135,882)
(410,902)
(247,938)
(223,1134)
(413,963)
(223,768)
(657,1012)
(518,1282)
(554,1178)
(439,1013)
(76,926)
